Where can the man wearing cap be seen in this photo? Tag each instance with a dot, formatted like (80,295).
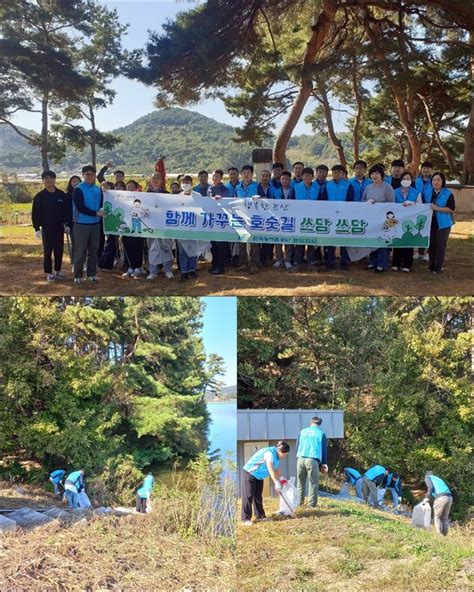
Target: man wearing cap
(311,452)
(51,217)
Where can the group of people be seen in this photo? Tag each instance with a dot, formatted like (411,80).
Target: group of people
(311,457)
(72,488)
(78,212)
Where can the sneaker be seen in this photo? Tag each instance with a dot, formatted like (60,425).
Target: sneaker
(405,270)
(169,274)
(426,257)
(93,279)
(278,264)
(60,275)
(137,273)
(247,523)
(370,267)
(263,519)
(288,265)
(394,268)
(77,280)
(216,271)
(152,276)
(128,273)
(51,277)
(193,275)
(379,270)
(417,256)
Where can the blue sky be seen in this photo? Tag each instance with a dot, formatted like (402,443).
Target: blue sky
(133,99)
(219,332)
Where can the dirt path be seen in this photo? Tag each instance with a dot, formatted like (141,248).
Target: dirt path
(21,273)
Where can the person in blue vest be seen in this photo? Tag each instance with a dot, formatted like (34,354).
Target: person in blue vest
(87,200)
(311,454)
(143,500)
(73,485)
(56,479)
(359,181)
(264,463)
(298,167)
(423,184)
(203,186)
(321,179)
(443,205)
(231,185)
(220,249)
(286,259)
(371,480)
(397,170)
(307,189)
(394,485)
(248,188)
(443,500)
(407,195)
(339,189)
(354,478)
(275,182)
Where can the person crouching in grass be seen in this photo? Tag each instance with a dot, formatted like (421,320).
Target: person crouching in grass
(51,217)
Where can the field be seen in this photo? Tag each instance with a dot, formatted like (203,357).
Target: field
(345,546)
(21,273)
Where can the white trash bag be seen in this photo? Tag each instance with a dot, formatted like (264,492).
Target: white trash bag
(289,500)
(421,517)
(83,500)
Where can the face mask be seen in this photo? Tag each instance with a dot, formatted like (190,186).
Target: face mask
(185,186)
(405,183)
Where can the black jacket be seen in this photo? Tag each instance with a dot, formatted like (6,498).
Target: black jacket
(51,209)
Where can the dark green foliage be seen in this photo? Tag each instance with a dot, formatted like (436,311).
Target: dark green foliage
(399,368)
(86,382)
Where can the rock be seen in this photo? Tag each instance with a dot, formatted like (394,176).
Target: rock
(28,518)
(123,511)
(20,491)
(103,510)
(7,524)
(55,512)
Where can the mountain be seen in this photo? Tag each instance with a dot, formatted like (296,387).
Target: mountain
(188,140)
(228,393)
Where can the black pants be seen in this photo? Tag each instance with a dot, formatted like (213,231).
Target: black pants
(141,505)
(252,490)
(438,244)
(53,242)
(402,258)
(133,247)
(109,253)
(220,254)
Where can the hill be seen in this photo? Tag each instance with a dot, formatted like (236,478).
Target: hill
(189,141)
(345,546)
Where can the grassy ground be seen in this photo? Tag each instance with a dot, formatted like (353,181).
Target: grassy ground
(159,551)
(345,546)
(21,273)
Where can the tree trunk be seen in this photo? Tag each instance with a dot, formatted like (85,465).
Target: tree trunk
(318,37)
(358,113)
(468,169)
(44,132)
(93,136)
(336,142)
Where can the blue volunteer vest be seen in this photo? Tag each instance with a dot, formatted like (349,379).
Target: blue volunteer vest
(359,187)
(412,195)
(439,486)
(303,192)
(147,486)
(310,443)
(202,190)
(231,189)
(57,475)
(444,219)
(353,474)
(394,484)
(76,478)
(249,191)
(92,198)
(374,472)
(337,191)
(257,465)
(425,188)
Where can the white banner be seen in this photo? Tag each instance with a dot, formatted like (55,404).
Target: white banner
(326,223)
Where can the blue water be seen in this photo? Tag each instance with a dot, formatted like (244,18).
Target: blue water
(223,428)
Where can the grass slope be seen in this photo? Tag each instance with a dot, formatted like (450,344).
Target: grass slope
(344,546)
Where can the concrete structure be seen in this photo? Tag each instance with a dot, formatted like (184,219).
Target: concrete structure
(257,428)
(7,524)
(28,518)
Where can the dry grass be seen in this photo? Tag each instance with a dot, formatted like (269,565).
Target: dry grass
(21,273)
(343,546)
